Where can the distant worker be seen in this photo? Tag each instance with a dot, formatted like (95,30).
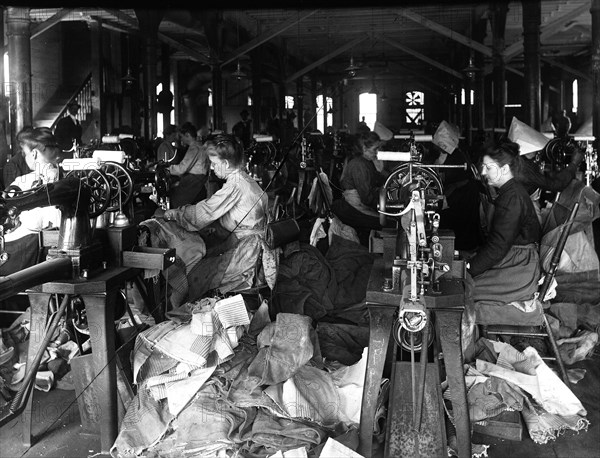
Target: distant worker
(362,127)
(68,129)
(563,124)
(243,129)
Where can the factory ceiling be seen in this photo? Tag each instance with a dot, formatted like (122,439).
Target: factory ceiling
(427,39)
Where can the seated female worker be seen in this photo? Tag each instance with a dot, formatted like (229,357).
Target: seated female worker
(361,183)
(237,216)
(506,267)
(192,170)
(41,152)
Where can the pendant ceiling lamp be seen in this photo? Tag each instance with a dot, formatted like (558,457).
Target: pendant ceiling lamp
(238,74)
(351,69)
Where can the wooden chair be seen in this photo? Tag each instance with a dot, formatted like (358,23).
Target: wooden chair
(510,321)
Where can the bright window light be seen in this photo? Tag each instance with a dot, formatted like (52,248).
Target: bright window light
(289,102)
(575,96)
(320,124)
(210,97)
(367,104)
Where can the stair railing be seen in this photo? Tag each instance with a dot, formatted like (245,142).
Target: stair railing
(83,96)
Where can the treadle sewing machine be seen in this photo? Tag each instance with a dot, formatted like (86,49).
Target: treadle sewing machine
(83,265)
(416,294)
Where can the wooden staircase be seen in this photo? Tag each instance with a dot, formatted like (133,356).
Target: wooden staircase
(56,107)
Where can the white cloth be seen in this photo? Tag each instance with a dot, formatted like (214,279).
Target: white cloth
(33,221)
(446,137)
(528,139)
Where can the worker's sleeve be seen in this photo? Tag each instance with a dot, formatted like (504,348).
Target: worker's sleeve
(506,224)
(198,216)
(186,164)
(363,179)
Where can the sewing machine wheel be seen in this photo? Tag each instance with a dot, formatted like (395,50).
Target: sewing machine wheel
(120,181)
(402,336)
(396,191)
(99,187)
(78,315)
(555,151)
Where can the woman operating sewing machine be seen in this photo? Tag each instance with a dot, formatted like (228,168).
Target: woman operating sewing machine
(233,222)
(361,182)
(42,153)
(506,267)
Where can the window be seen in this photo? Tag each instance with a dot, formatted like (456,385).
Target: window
(289,102)
(209,97)
(415,107)
(329,101)
(463,96)
(367,105)
(575,96)
(249,100)
(159,116)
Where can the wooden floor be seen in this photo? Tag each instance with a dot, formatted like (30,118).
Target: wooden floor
(57,425)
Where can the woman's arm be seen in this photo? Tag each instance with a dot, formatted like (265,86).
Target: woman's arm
(188,161)
(363,178)
(198,216)
(505,228)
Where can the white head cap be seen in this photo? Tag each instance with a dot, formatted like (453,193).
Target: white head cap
(528,139)
(446,137)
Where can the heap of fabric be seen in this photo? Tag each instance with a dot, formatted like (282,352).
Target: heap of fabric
(267,391)
(314,285)
(189,250)
(503,379)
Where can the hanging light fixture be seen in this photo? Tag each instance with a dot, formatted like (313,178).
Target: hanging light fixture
(128,79)
(351,69)
(238,74)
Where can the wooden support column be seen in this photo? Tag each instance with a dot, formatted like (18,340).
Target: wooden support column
(217,97)
(300,102)
(532,17)
(498,24)
(595,10)
(257,118)
(165,77)
(313,103)
(19,57)
(4,121)
(340,107)
(97,59)
(149,21)
(479,32)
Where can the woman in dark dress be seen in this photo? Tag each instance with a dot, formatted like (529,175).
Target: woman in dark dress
(506,267)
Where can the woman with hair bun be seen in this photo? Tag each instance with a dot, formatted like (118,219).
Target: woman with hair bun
(506,267)
(42,155)
(237,216)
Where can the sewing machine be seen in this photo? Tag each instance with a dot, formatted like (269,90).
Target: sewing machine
(82,263)
(416,294)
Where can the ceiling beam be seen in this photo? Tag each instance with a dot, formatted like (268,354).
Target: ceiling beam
(190,52)
(443,30)
(329,56)
(547,30)
(268,35)
(566,68)
(132,22)
(40,28)
(422,57)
